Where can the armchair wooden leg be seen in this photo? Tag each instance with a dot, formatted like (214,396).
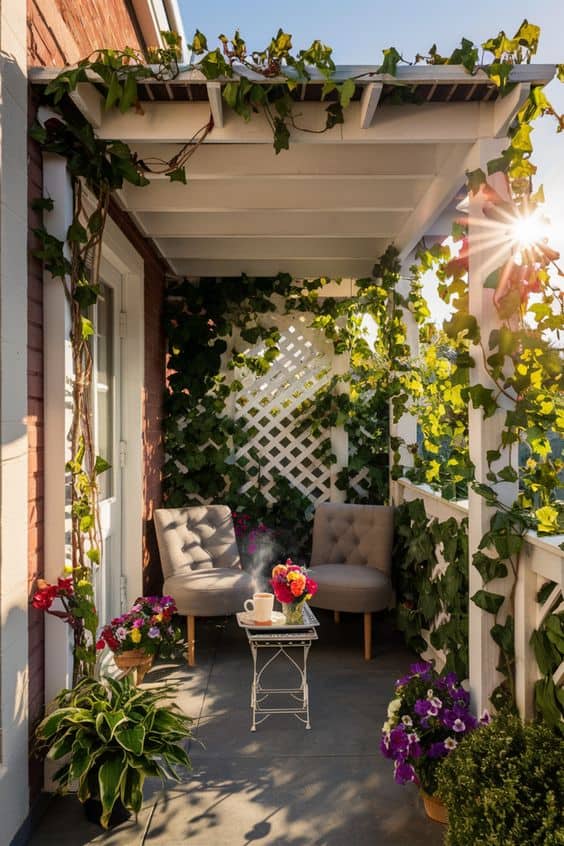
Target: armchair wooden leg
(191,639)
(337,616)
(367,637)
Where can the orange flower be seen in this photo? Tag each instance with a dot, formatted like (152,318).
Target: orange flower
(297,587)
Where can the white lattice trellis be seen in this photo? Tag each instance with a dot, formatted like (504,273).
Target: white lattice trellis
(268,408)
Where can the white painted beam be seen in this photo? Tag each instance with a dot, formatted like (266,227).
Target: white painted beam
(448,123)
(299,268)
(216,103)
(538,74)
(323,193)
(89,102)
(449,179)
(272,248)
(369,103)
(272,224)
(212,162)
(506,109)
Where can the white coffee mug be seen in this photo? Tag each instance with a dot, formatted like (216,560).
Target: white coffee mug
(260,606)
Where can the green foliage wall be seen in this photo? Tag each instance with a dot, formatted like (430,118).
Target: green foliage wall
(421,594)
(200,434)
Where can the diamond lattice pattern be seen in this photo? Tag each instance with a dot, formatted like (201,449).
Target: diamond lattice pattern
(268,409)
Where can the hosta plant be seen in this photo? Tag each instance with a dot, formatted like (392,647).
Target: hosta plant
(111,737)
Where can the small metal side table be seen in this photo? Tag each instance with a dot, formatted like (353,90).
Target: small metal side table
(278,639)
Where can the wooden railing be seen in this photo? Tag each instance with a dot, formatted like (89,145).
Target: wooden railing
(541,560)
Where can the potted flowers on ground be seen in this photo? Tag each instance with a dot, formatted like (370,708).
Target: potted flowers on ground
(427,718)
(137,636)
(292,588)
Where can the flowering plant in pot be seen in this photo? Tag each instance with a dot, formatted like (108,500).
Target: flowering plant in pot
(141,633)
(427,718)
(292,588)
(111,737)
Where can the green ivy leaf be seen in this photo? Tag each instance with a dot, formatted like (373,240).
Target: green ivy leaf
(281,135)
(129,96)
(489,568)
(42,204)
(178,175)
(101,465)
(391,61)
(483,398)
(487,601)
(76,233)
(475,179)
(346,92)
(86,327)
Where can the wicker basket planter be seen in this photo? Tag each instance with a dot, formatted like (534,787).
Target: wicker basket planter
(134,659)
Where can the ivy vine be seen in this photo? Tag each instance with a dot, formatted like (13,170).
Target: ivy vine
(521,356)
(428,597)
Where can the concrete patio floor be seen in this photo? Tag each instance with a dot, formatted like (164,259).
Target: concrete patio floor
(283,785)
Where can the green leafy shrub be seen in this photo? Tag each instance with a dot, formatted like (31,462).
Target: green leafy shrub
(112,736)
(504,786)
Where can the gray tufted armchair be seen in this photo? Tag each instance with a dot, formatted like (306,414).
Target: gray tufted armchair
(200,563)
(351,560)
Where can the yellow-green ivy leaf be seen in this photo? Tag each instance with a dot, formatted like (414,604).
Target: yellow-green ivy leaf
(86,327)
(547,519)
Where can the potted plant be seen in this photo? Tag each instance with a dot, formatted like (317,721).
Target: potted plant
(505,784)
(141,633)
(427,718)
(112,736)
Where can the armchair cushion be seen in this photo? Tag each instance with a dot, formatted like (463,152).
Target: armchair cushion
(210,593)
(353,587)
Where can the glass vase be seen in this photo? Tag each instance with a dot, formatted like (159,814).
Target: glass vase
(293,613)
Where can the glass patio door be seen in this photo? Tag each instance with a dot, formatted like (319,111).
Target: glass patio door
(106,414)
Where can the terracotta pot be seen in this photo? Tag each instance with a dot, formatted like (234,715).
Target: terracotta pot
(134,659)
(434,808)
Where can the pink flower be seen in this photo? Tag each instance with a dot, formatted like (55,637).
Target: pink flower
(138,623)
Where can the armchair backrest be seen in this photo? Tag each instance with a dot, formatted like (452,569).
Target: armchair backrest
(195,538)
(353,534)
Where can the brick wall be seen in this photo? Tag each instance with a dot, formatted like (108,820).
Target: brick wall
(64,31)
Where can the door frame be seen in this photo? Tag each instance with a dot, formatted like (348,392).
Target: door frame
(120,254)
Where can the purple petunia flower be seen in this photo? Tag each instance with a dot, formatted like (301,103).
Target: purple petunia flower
(404,773)
(422,707)
(153,632)
(437,750)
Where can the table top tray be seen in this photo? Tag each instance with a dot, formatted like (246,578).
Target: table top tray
(310,620)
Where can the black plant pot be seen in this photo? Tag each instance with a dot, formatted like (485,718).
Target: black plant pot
(93,812)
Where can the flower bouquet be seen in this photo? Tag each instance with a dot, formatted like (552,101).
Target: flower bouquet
(139,634)
(427,718)
(292,588)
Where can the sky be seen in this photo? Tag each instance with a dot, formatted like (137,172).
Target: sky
(359,29)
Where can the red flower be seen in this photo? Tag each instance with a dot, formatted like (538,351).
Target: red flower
(100,643)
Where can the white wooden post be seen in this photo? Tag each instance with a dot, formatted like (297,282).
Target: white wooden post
(406,427)
(14,505)
(528,615)
(339,437)
(484,434)
(58,418)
